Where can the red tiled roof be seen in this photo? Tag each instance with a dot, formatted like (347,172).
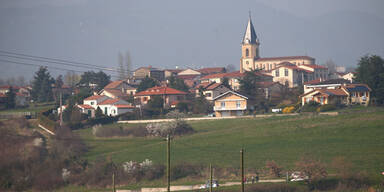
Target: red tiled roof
(217,75)
(293,67)
(125,106)
(94,97)
(8,86)
(316,66)
(313,82)
(231,75)
(109,101)
(113,84)
(116,92)
(212,70)
(3,95)
(85,106)
(282,58)
(161,91)
(186,76)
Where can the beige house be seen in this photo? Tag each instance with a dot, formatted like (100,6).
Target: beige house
(230,103)
(149,71)
(188,72)
(291,75)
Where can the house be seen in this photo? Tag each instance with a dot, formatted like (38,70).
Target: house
(349,76)
(233,78)
(95,100)
(347,94)
(230,103)
(211,70)
(319,72)
(171,72)
(188,72)
(86,109)
(211,90)
(149,71)
(168,94)
(114,107)
(324,84)
(291,75)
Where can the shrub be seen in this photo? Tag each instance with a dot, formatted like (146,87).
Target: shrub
(290,109)
(185,169)
(100,131)
(274,168)
(327,107)
(177,127)
(310,107)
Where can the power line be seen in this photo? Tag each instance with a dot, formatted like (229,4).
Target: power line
(39,65)
(58,60)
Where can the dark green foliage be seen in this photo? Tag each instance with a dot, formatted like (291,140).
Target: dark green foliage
(11,99)
(327,107)
(178,84)
(98,113)
(310,107)
(146,83)
(42,86)
(370,71)
(100,79)
(249,83)
(84,92)
(155,106)
(185,169)
(201,106)
(226,82)
(182,107)
(42,118)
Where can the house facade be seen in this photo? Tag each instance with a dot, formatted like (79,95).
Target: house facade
(230,103)
(168,94)
(211,90)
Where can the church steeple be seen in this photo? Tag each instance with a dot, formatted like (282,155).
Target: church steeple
(250,34)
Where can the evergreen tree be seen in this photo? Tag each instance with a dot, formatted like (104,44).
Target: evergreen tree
(98,113)
(370,71)
(249,84)
(178,84)
(121,67)
(146,83)
(11,99)
(42,86)
(100,79)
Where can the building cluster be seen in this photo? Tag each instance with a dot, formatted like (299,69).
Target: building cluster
(220,87)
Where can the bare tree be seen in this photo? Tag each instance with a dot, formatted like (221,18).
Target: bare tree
(128,63)
(274,168)
(331,66)
(311,168)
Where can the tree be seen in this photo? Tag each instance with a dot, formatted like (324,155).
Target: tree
(370,71)
(59,82)
(274,168)
(230,68)
(146,83)
(128,63)
(71,78)
(226,82)
(42,86)
(155,105)
(311,168)
(249,83)
(178,84)
(331,66)
(95,81)
(11,98)
(98,113)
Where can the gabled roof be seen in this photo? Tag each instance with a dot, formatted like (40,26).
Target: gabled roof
(160,91)
(315,66)
(208,86)
(184,77)
(109,101)
(116,92)
(357,88)
(85,106)
(230,92)
(250,34)
(291,66)
(285,57)
(124,106)
(113,84)
(94,97)
(212,70)
(328,92)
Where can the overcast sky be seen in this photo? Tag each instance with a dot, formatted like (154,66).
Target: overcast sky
(198,33)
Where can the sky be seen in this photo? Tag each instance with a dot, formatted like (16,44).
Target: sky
(184,34)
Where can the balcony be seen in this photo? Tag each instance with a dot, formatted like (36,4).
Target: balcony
(219,108)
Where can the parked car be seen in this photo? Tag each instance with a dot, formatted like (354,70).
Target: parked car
(215,183)
(298,176)
(211,115)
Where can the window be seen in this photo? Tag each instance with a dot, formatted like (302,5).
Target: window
(106,110)
(246,52)
(286,72)
(89,112)
(238,104)
(208,94)
(222,104)
(92,103)
(247,62)
(277,73)
(270,66)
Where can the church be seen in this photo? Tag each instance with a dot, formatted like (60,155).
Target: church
(292,71)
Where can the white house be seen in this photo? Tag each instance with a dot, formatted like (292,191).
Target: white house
(94,100)
(113,107)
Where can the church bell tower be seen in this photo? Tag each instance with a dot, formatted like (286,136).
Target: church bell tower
(249,48)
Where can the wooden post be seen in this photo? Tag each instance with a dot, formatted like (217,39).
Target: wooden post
(168,163)
(242,169)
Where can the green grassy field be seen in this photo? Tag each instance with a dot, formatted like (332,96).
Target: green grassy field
(358,136)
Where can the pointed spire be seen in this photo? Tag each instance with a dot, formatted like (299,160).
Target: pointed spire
(250,34)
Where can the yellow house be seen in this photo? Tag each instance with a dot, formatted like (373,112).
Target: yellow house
(230,103)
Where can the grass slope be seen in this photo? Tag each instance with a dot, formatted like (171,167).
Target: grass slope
(358,136)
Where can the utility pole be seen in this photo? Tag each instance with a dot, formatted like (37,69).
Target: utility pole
(61,108)
(113,181)
(210,178)
(168,163)
(242,169)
